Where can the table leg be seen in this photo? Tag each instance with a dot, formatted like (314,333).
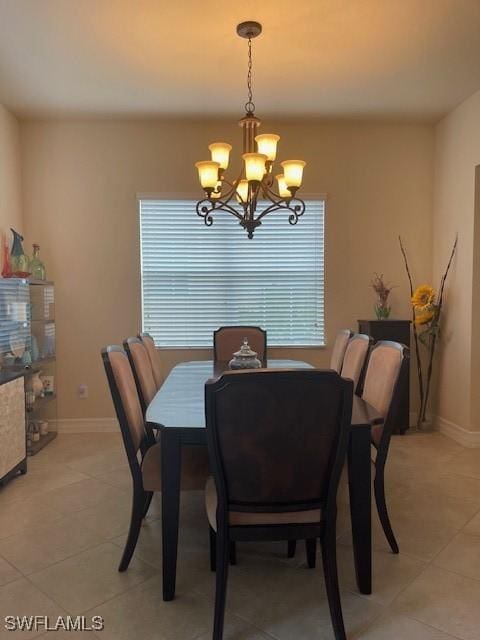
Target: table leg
(171,472)
(359,483)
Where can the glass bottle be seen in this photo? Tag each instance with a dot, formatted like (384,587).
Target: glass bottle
(37,268)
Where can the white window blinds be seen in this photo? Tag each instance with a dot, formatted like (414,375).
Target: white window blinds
(197,278)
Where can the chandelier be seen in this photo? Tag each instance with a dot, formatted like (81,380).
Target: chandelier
(255,183)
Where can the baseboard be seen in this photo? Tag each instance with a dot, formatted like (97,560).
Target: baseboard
(470,439)
(85,425)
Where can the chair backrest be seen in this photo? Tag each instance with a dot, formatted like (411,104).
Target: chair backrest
(142,370)
(158,371)
(388,360)
(126,402)
(227,340)
(277,438)
(339,347)
(355,358)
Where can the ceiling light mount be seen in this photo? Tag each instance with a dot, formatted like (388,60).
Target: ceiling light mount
(256,180)
(249,29)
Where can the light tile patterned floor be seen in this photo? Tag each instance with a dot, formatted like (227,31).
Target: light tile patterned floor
(63,525)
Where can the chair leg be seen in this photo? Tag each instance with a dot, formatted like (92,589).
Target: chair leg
(138,507)
(213,549)
(213,545)
(222,559)
(379,487)
(292,546)
(148,500)
(329,557)
(311,548)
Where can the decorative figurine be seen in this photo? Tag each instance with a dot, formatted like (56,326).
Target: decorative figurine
(36,266)
(19,260)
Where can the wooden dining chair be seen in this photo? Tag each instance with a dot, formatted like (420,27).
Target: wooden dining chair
(143,453)
(355,360)
(387,366)
(155,359)
(339,348)
(227,340)
(277,441)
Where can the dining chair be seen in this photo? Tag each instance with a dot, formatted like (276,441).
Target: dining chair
(142,369)
(227,340)
(277,442)
(155,359)
(339,348)
(387,368)
(355,359)
(143,453)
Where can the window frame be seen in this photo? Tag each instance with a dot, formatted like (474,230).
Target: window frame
(188,196)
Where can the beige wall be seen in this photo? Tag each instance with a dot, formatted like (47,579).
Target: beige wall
(80,186)
(10,185)
(456,156)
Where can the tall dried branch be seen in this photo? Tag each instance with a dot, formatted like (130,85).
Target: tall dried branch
(433,341)
(415,334)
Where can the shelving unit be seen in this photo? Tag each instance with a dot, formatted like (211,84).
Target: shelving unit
(27,319)
(42,321)
(35,447)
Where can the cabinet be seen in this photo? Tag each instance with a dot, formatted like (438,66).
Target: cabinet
(398,331)
(27,346)
(13,452)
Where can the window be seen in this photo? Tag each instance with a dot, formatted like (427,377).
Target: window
(197,278)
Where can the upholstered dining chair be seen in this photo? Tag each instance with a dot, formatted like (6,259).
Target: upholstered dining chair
(227,340)
(387,367)
(156,362)
(277,442)
(339,348)
(142,369)
(143,453)
(355,359)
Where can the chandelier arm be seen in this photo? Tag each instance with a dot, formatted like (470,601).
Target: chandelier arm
(297,210)
(233,188)
(271,195)
(205,208)
(204,211)
(224,206)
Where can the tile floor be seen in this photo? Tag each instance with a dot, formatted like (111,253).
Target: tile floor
(63,525)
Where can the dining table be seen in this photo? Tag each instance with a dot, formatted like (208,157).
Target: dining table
(178,411)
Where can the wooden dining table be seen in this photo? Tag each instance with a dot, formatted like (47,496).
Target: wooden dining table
(178,410)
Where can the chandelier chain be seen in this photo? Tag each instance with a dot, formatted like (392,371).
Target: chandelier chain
(249,106)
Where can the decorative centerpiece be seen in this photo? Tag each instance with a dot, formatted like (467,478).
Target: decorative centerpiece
(245,358)
(382,289)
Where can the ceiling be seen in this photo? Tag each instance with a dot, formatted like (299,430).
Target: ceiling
(410,59)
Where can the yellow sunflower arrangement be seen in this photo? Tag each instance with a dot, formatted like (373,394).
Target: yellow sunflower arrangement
(423,302)
(424,296)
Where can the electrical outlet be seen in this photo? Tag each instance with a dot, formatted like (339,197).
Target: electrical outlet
(82,391)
